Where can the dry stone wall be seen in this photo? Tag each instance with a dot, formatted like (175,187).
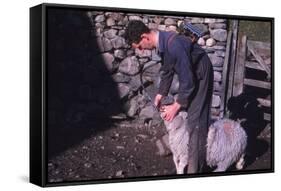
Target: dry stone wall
(124,64)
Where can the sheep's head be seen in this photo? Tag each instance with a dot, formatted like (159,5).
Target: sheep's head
(177,122)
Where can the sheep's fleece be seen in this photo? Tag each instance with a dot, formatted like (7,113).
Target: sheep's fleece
(226,143)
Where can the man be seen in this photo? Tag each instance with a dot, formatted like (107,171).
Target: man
(189,61)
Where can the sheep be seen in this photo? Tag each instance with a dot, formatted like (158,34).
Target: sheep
(178,140)
(226,143)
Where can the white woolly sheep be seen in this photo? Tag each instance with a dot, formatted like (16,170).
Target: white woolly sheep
(226,143)
(178,140)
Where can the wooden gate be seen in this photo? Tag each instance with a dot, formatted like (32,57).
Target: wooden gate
(247,66)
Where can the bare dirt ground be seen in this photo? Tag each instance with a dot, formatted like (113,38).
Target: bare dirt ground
(128,149)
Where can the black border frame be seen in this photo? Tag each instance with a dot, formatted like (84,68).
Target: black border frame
(38,93)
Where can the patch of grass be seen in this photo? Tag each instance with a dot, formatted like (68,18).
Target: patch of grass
(255,30)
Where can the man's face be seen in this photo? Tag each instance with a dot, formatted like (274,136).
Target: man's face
(145,42)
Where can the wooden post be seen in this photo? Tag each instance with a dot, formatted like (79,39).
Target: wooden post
(225,75)
(239,73)
(232,59)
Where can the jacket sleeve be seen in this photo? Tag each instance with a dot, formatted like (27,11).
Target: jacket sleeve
(166,76)
(183,68)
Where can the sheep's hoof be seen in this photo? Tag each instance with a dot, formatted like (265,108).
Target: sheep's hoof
(240,163)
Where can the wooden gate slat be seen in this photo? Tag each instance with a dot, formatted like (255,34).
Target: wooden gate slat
(259,59)
(264,102)
(253,65)
(240,66)
(257,83)
(267,116)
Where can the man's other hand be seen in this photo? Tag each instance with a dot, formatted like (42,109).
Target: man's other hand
(170,111)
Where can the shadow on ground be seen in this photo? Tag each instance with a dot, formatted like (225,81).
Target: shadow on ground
(81,93)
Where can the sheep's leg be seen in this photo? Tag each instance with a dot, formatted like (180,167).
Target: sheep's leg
(182,164)
(221,167)
(240,163)
(176,161)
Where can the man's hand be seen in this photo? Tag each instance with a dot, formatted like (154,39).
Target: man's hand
(170,111)
(157,100)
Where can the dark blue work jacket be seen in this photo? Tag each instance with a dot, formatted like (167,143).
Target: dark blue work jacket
(179,55)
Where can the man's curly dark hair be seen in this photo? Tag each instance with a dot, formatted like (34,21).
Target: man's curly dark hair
(134,31)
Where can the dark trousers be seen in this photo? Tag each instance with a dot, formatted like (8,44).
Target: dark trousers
(199,115)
